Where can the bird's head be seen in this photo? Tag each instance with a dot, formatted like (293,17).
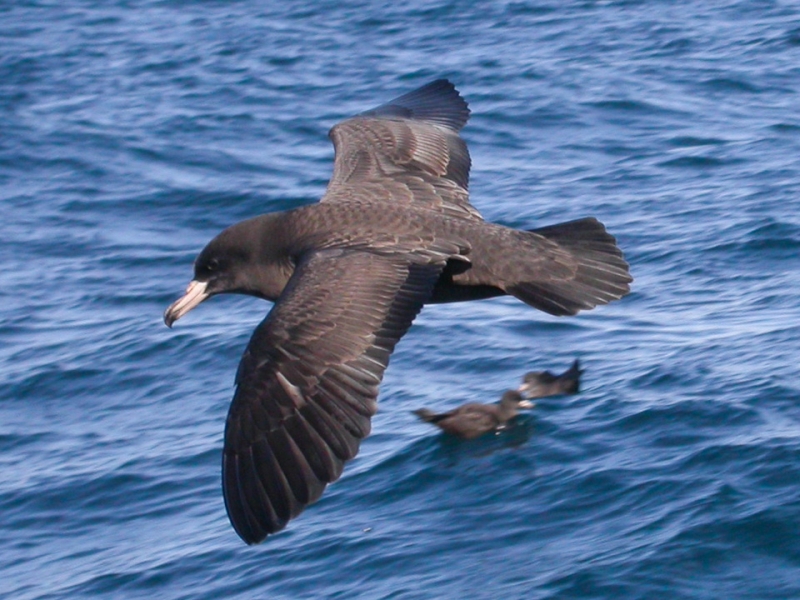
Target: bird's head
(243,259)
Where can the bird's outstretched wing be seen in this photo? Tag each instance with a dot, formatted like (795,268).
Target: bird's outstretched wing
(406,152)
(308,381)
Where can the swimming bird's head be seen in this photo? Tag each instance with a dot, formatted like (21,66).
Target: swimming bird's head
(512,400)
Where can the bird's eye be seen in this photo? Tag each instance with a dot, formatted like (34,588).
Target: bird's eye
(212,265)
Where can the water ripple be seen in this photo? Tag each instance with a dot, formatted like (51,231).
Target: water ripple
(132,135)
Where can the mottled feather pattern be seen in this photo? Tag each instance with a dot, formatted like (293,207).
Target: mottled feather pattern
(375,153)
(413,142)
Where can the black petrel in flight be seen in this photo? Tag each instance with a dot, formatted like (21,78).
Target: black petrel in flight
(395,230)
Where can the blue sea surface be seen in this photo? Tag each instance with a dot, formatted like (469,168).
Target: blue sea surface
(132,132)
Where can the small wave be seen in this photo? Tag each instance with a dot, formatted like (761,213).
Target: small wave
(730,84)
(695,162)
(689,141)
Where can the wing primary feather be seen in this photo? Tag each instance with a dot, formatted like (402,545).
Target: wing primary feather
(438,102)
(319,456)
(343,444)
(269,473)
(303,483)
(257,506)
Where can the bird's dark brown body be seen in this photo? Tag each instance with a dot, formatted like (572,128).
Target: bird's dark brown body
(395,230)
(481,259)
(473,420)
(538,384)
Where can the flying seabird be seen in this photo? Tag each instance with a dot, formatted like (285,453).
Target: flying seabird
(395,230)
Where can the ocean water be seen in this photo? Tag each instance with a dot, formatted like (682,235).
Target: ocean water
(132,132)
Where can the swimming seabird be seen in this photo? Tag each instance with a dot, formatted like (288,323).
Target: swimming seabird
(473,420)
(395,230)
(539,384)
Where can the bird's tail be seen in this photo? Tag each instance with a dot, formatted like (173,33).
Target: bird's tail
(575,371)
(571,378)
(577,267)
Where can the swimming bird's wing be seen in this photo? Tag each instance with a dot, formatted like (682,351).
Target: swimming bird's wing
(308,381)
(470,421)
(406,152)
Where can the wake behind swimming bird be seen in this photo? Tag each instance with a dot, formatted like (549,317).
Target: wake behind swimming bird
(395,230)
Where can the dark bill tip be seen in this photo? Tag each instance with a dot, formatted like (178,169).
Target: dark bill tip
(195,294)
